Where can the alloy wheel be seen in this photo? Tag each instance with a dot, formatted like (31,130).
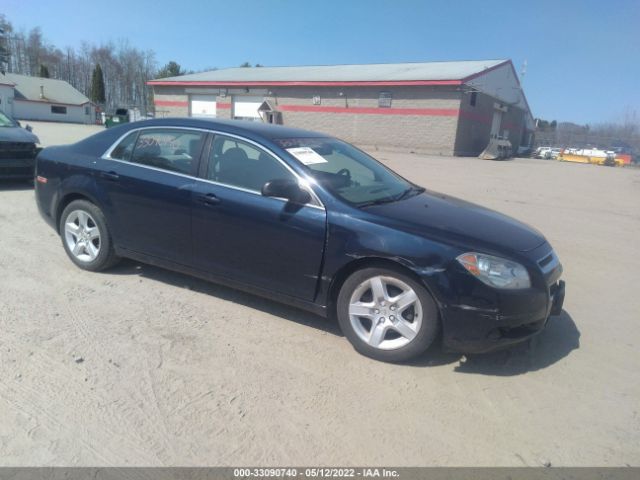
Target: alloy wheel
(385,312)
(82,235)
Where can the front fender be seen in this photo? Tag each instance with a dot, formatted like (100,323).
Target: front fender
(352,239)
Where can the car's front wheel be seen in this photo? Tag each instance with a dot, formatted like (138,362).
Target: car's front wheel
(386,314)
(85,236)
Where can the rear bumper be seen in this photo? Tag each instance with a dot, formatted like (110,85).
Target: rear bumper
(476,330)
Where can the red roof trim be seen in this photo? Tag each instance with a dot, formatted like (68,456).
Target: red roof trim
(390,83)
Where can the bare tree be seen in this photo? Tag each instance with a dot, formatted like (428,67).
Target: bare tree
(126,69)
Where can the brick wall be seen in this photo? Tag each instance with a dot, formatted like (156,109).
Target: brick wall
(428,122)
(170,102)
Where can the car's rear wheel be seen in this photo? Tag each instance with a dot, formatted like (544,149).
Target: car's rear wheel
(386,314)
(85,236)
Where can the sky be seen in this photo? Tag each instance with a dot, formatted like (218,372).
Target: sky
(583,56)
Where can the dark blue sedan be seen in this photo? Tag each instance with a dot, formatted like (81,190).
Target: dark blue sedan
(307,220)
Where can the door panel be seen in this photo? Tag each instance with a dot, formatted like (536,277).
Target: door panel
(151,209)
(260,241)
(147,179)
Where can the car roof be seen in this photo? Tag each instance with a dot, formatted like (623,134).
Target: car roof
(239,127)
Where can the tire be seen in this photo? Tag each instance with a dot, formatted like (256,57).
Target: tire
(405,325)
(89,239)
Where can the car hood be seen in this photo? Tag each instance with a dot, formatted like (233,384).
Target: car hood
(438,216)
(17,134)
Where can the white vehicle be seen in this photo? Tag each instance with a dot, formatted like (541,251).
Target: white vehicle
(542,152)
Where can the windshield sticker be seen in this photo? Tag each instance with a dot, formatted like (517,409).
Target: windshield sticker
(306,155)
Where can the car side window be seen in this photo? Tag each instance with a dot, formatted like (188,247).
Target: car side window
(174,150)
(240,164)
(125,148)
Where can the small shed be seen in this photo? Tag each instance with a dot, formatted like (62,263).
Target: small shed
(46,99)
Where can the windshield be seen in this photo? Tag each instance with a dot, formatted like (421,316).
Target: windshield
(347,172)
(6,121)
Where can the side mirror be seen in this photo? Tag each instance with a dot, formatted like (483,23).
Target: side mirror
(286,188)
(28,128)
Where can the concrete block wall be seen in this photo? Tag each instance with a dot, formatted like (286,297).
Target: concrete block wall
(171,102)
(474,126)
(431,128)
(427,122)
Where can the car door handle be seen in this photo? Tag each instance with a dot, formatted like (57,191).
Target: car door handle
(208,199)
(113,176)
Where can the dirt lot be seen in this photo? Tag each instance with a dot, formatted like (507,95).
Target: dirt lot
(141,366)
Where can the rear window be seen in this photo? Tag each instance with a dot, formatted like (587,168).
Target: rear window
(174,150)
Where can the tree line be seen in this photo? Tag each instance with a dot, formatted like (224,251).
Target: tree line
(623,133)
(124,69)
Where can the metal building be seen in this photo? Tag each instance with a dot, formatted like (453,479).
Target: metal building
(437,107)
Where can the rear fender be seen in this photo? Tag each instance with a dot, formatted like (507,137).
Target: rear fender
(82,186)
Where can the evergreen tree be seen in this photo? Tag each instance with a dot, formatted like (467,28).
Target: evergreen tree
(97,86)
(44,71)
(171,69)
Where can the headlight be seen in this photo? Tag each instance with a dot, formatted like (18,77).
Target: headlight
(495,271)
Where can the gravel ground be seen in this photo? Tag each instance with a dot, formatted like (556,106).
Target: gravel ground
(141,366)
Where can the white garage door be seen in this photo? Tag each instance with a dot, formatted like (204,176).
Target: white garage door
(203,106)
(246,108)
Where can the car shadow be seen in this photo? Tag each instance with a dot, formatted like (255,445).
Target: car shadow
(7,185)
(556,341)
(560,337)
(131,267)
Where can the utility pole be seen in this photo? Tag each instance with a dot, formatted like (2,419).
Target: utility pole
(523,72)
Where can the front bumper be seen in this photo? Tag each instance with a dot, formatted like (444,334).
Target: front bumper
(469,329)
(17,167)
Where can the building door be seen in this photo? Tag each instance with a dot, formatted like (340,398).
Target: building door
(246,108)
(202,106)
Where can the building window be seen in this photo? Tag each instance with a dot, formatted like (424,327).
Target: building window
(86,110)
(58,109)
(472,99)
(316,99)
(384,100)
